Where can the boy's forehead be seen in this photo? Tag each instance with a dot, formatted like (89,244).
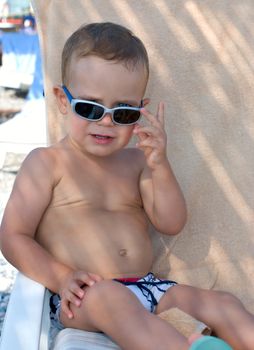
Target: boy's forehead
(96,72)
(95,64)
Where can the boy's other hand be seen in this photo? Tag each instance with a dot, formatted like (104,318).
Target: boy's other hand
(72,291)
(152,137)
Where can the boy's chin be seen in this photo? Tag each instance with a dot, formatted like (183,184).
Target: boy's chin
(103,152)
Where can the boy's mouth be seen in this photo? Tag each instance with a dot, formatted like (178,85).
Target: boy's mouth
(102,139)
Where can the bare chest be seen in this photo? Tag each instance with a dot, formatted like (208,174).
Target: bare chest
(100,188)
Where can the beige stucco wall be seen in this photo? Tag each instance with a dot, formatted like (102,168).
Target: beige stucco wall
(202,65)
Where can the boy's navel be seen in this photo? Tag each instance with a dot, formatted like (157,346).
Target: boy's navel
(123,252)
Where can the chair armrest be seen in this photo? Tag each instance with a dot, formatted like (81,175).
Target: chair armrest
(23,324)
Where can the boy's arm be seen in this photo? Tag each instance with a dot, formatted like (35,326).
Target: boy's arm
(30,197)
(162,197)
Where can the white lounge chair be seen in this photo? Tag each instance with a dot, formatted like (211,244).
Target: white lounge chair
(23,328)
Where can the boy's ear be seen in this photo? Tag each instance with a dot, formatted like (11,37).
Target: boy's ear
(146,101)
(61,99)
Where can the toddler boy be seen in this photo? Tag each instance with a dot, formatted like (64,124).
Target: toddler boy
(77,219)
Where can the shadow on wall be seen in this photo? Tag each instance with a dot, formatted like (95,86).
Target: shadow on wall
(202,61)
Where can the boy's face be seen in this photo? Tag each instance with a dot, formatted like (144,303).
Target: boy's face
(110,84)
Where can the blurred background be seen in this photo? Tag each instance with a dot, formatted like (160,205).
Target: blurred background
(15,16)
(14,9)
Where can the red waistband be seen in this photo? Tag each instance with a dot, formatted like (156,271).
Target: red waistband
(130,279)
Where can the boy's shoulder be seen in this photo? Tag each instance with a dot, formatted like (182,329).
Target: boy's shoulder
(49,152)
(43,157)
(42,163)
(43,154)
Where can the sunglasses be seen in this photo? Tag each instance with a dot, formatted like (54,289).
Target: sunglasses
(94,112)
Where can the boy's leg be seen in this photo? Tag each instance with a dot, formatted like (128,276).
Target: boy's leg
(224,313)
(111,308)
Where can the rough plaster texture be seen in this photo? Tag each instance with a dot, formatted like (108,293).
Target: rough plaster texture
(202,66)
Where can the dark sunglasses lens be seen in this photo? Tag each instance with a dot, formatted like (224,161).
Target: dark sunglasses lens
(126,116)
(89,111)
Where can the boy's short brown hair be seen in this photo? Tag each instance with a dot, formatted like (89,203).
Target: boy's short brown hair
(107,40)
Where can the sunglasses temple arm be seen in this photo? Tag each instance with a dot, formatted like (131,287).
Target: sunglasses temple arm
(67,93)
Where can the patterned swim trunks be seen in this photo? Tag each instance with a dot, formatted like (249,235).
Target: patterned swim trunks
(148,290)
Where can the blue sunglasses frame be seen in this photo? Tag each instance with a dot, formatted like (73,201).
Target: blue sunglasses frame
(74,101)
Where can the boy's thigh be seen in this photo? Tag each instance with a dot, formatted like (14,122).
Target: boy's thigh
(99,302)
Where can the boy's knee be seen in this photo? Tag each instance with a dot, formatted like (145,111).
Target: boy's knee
(103,293)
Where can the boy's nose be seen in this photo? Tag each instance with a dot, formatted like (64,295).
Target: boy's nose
(106,120)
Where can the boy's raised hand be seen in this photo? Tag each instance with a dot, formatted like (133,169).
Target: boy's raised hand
(73,289)
(152,137)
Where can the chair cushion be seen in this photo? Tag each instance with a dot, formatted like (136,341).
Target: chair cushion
(74,339)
